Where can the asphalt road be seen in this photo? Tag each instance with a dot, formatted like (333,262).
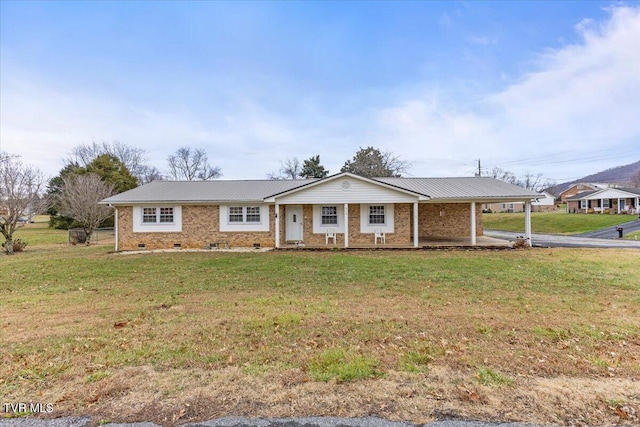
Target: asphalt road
(260,422)
(604,238)
(612,232)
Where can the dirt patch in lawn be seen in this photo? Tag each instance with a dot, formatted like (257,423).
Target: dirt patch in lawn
(174,397)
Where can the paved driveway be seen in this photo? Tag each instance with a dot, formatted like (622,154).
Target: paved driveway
(560,241)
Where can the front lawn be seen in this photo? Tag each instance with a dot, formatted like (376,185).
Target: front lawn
(553,222)
(542,336)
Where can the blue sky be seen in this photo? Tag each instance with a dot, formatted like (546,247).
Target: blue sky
(542,87)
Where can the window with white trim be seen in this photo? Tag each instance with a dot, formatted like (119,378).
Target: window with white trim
(153,215)
(236,214)
(376,215)
(253,214)
(244,214)
(329,215)
(606,204)
(166,215)
(583,204)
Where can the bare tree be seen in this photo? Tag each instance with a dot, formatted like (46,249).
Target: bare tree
(530,181)
(191,165)
(21,187)
(149,174)
(291,168)
(502,175)
(80,197)
(132,157)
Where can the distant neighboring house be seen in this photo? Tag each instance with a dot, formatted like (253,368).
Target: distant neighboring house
(605,200)
(581,187)
(343,209)
(545,203)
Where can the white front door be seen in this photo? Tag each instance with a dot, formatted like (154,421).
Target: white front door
(294,223)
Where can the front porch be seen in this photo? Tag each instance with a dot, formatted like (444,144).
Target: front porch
(429,243)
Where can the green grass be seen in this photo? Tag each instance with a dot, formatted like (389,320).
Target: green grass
(489,377)
(553,222)
(81,315)
(343,366)
(40,234)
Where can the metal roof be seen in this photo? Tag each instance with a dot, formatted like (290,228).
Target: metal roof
(463,188)
(584,195)
(446,189)
(205,191)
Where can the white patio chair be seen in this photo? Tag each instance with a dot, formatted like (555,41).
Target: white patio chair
(378,234)
(330,234)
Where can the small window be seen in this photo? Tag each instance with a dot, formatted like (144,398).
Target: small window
(583,204)
(149,216)
(253,214)
(235,214)
(606,203)
(376,214)
(166,215)
(329,215)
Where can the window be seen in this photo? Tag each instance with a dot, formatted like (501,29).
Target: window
(235,214)
(376,214)
(149,216)
(606,203)
(166,215)
(157,215)
(329,215)
(242,214)
(583,204)
(253,214)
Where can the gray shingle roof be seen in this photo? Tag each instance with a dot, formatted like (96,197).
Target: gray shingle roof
(461,188)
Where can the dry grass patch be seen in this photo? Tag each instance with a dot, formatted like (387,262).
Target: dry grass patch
(405,335)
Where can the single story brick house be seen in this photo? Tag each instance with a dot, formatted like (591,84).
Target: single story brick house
(342,210)
(605,200)
(545,203)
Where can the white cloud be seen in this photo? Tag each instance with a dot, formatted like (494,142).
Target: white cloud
(582,97)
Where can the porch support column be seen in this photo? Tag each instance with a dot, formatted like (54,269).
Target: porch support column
(415,225)
(527,221)
(618,204)
(115,227)
(473,223)
(277,225)
(601,205)
(346,225)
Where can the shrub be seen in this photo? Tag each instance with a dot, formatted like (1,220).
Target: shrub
(18,245)
(521,242)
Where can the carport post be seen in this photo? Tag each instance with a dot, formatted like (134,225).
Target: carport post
(473,223)
(415,225)
(527,221)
